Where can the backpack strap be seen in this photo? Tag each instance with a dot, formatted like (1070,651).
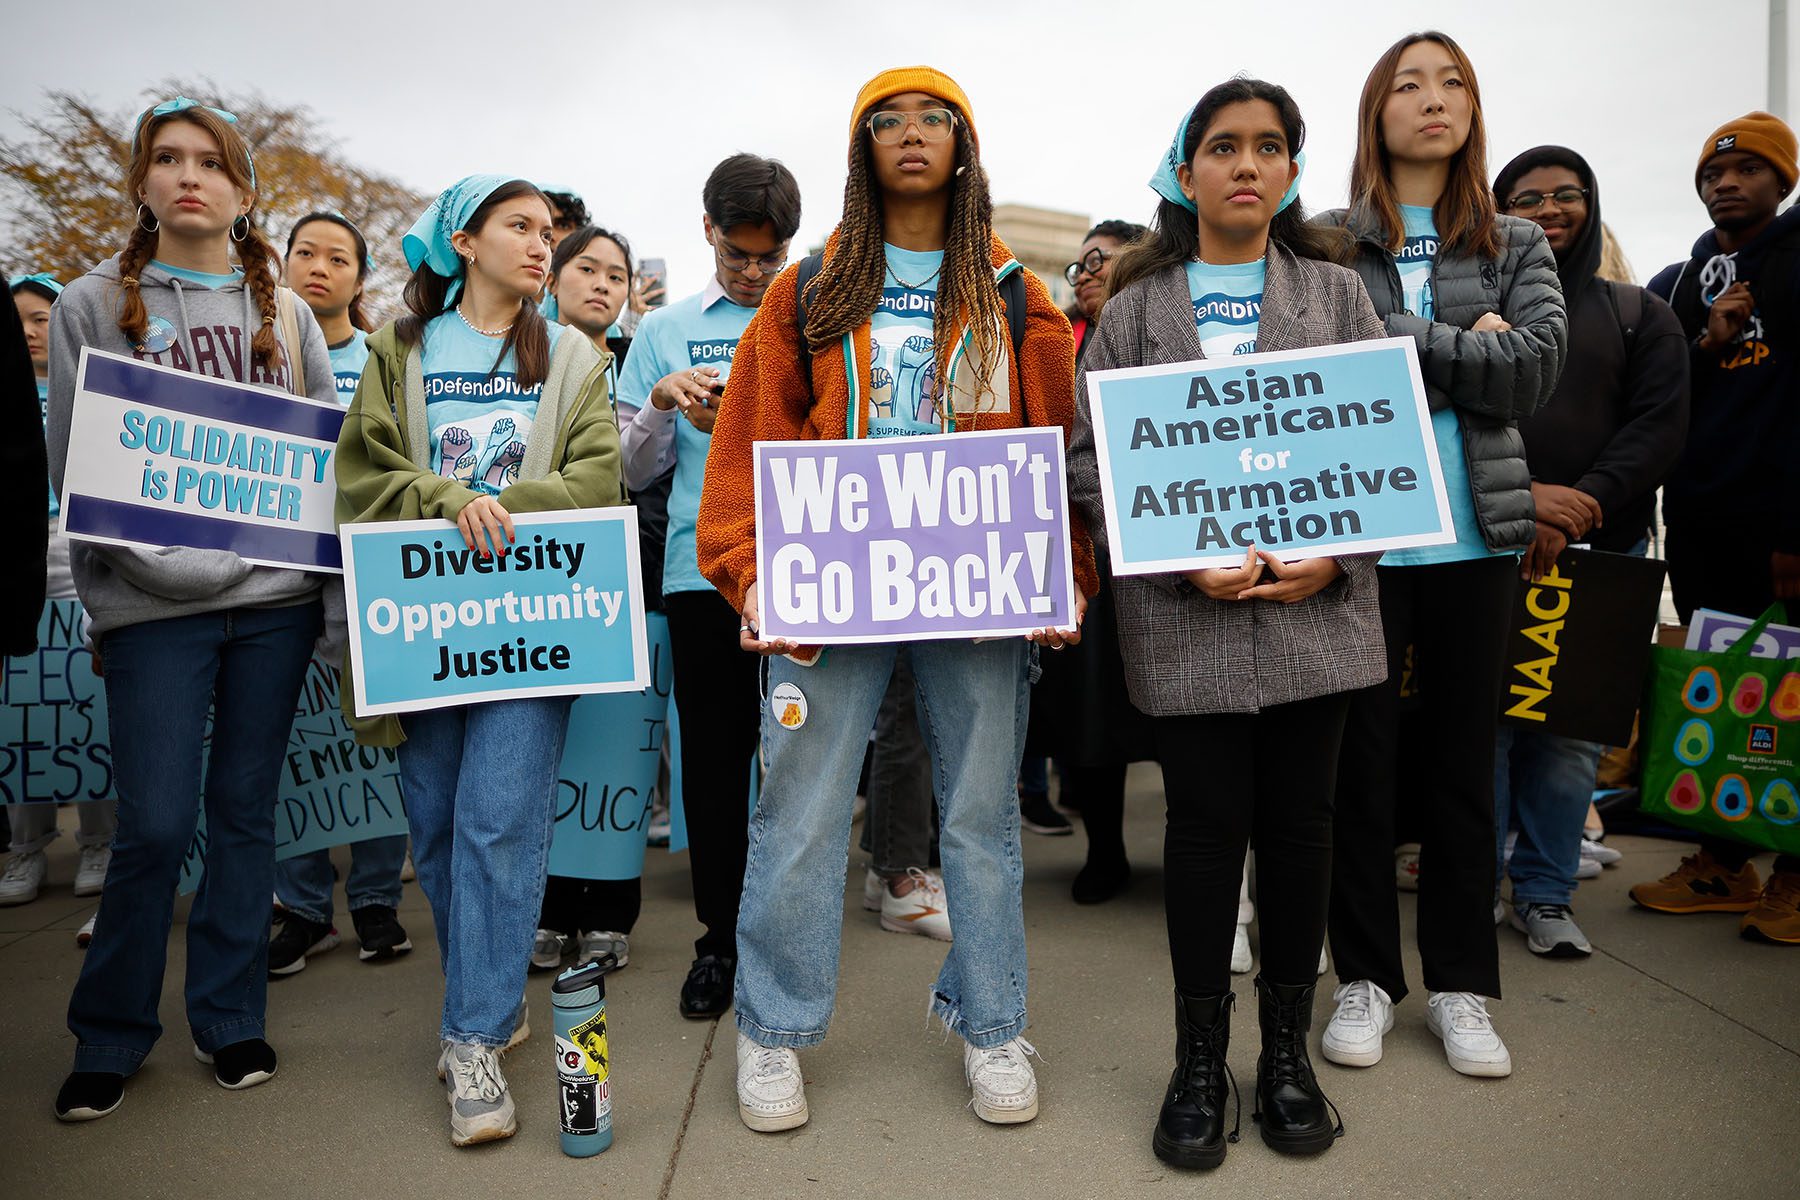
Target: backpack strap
(810,266)
(1628,311)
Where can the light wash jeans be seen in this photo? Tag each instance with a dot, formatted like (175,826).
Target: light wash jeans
(1543,784)
(973,700)
(34,825)
(304,881)
(480,787)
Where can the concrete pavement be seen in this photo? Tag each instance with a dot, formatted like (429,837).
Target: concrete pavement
(1668,1064)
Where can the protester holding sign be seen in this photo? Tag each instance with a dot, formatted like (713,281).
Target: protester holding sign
(1478,294)
(1733,523)
(1597,450)
(327,264)
(182,631)
(904,332)
(34,825)
(470,409)
(1246,672)
(669,398)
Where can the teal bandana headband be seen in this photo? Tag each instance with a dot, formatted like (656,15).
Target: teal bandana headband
(179,104)
(428,243)
(1166,184)
(42,279)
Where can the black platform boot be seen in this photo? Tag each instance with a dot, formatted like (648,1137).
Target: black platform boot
(1190,1129)
(1295,1116)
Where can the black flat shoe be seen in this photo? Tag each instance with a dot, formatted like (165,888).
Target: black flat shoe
(240,1065)
(1098,882)
(89,1095)
(707,992)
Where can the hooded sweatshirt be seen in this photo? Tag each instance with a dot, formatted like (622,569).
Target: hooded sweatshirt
(1743,445)
(192,328)
(1616,422)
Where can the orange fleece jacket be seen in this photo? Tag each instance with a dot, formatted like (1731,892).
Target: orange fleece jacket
(768,399)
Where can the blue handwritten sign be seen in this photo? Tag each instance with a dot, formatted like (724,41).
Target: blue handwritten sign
(1303,453)
(161,457)
(54,745)
(559,612)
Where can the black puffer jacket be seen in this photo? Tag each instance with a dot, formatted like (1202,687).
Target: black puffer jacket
(1493,380)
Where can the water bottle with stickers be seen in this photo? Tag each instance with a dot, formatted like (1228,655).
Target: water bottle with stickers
(583,1069)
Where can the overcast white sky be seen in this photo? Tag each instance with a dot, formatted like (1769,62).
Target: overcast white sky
(632,103)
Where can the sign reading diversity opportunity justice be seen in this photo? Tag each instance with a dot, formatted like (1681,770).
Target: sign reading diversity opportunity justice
(161,457)
(902,539)
(558,612)
(1303,453)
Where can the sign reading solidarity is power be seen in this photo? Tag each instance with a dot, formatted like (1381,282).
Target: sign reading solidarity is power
(906,538)
(1303,453)
(161,457)
(557,612)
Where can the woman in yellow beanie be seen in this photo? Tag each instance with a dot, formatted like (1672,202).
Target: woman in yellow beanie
(912,272)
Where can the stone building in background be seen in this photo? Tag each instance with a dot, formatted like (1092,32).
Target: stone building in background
(1045,240)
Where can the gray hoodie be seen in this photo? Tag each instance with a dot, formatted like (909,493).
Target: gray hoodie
(193,328)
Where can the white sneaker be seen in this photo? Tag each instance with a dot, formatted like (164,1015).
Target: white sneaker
(90,876)
(590,946)
(873,886)
(1364,1013)
(1470,1043)
(23,877)
(1241,960)
(1324,961)
(923,909)
(85,935)
(771,1091)
(481,1105)
(547,950)
(1406,867)
(1588,868)
(1004,1084)
(1606,856)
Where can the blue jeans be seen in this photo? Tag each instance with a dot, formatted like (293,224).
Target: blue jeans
(304,881)
(1543,784)
(246,664)
(480,788)
(973,700)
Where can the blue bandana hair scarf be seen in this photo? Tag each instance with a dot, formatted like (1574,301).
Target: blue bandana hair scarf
(428,241)
(42,279)
(179,104)
(1166,184)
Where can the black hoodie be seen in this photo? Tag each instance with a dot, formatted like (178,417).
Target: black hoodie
(1615,425)
(1735,479)
(28,470)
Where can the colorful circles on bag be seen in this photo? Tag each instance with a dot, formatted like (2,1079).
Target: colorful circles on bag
(1702,693)
(1685,794)
(1694,743)
(1780,803)
(1747,695)
(1731,797)
(1786,702)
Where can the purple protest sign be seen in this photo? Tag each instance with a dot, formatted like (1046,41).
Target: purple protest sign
(909,538)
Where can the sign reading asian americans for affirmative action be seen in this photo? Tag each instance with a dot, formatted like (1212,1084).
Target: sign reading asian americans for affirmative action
(161,457)
(907,538)
(557,612)
(1303,453)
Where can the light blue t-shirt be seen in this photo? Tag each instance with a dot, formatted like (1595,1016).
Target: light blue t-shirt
(1417,254)
(480,417)
(203,278)
(903,382)
(347,359)
(1227,306)
(44,404)
(701,330)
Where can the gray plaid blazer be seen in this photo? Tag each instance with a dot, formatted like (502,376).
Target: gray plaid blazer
(1185,653)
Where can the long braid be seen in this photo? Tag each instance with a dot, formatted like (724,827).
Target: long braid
(260,266)
(848,289)
(967,295)
(134,318)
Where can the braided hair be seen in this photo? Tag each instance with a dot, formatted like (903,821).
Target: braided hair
(255,254)
(848,288)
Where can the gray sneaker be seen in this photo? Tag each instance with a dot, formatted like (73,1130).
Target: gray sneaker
(481,1107)
(1550,930)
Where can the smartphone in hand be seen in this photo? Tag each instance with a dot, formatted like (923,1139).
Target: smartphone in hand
(653,276)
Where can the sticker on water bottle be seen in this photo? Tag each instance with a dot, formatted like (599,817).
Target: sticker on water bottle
(580,1093)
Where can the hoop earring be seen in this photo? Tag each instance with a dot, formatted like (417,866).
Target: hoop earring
(235,235)
(154,224)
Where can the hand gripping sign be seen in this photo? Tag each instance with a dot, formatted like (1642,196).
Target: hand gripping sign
(910,538)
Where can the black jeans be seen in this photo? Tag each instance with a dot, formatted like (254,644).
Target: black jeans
(1455,616)
(1234,780)
(720,706)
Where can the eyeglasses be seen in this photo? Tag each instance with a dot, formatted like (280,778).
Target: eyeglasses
(888,127)
(1532,201)
(1090,263)
(733,259)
